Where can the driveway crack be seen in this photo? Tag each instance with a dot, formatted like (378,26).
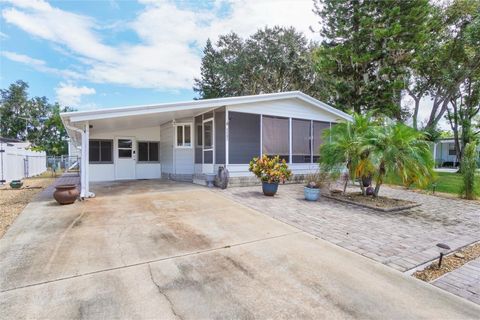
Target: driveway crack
(164,294)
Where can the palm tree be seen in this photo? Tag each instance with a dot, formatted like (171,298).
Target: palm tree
(348,147)
(401,150)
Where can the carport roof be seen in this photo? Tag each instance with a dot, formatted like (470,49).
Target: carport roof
(131,117)
(79,116)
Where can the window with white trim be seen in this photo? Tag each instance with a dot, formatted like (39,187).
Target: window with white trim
(183,134)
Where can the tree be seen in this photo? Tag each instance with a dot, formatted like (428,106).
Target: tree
(463,81)
(398,149)
(348,148)
(375,148)
(444,67)
(367,48)
(33,119)
(271,60)
(14,107)
(469,187)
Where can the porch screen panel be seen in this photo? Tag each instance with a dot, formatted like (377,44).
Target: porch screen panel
(301,141)
(220,137)
(198,139)
(318,139)
(275,137)
(208,157)
(243,137)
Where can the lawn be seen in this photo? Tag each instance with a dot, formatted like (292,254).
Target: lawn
(445,182)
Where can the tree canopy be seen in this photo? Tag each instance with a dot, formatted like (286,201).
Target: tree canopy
(366,49)
(33,119)
(271,60)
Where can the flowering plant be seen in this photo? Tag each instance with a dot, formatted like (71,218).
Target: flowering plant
(270,169)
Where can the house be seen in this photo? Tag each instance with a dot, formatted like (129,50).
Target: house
(186,140)
(445,154)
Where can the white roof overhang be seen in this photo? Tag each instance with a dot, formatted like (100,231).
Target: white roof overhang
(141,116)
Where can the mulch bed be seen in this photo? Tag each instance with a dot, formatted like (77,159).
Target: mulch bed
(449,263)
(12,201)
(377,203)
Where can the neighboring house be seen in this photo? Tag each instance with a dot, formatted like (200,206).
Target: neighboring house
(18,161)
(186,140)
(446,154)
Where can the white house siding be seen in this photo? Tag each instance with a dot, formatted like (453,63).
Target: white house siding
(177,163)
(106,172)
(166,147)
(294,108)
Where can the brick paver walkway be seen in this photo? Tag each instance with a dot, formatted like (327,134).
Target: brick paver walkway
(401,240)
(464,281)
(66,178)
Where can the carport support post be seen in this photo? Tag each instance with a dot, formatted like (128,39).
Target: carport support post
(87,157)
(84,178)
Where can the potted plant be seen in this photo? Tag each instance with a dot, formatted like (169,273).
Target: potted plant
(315,182)
(66,193)
(271,171)
(16,184)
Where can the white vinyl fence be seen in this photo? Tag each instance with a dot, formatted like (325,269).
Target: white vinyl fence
(17,162)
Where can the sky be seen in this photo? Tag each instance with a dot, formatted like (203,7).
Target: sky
(110,53)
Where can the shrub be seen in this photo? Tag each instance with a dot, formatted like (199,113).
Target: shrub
(270,169)
(373,148)
(318,179)
(469,188)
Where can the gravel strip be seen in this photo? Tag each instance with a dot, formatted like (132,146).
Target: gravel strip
(12,201)
(449,263)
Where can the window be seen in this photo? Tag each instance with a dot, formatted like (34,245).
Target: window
(275,137)
(452,151)
(301,141)
(148,151)
(208,134)
(100,151)
(184,135)
(125,148)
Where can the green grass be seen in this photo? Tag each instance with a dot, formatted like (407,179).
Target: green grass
(445,182)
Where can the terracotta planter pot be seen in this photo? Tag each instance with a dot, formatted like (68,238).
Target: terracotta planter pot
(66,193)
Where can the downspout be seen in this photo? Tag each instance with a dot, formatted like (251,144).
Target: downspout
(84,190)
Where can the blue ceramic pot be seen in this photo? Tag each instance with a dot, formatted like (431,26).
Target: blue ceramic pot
(311,194)
(269,189)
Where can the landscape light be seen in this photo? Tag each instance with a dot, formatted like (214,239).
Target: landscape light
(442,249)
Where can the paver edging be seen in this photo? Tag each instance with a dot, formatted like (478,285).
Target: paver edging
(393,209)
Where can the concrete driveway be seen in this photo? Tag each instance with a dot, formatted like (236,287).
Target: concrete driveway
(155,249)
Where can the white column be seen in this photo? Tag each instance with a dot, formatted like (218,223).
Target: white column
(83,165)
(87,157)
(434,153)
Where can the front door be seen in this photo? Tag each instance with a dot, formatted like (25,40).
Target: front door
(125,158)
(208,146)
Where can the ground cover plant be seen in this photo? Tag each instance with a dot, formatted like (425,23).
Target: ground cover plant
(446,182)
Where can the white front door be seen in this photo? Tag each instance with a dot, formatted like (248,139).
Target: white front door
(125,158)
